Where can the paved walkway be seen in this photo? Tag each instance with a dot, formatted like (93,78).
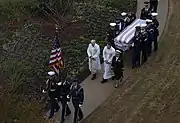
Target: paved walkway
(95,92)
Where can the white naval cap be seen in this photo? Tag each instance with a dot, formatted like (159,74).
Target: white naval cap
(118,51)
(143,25)
(112,24)
(154,14)
(93,41)
(123,13)
(148,20)
(51,73)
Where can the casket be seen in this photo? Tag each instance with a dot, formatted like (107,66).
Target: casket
(124,40)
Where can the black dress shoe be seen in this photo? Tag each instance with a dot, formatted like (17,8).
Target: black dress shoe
(104,80)
(94,77)
(50,117)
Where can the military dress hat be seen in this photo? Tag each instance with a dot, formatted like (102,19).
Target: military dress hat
(148,21)
(93,41)
(143,25)
(51,73)
(154,14)
(146,2)
(118,51)
(112,24)
(123,14)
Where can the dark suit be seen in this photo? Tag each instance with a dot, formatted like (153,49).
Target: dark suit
(154,5)
(118,67)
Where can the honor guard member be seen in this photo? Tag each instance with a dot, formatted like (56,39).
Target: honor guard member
(156,34)
(124,20)
(154,19)
(118,67)
(108,54)
(146,12)
(93,52)
(77,95)
(154,5)
(136,47)
(118,25)
(144,43)
(63,90)
(132,17)
(112,34)
(150,31)
(52,93)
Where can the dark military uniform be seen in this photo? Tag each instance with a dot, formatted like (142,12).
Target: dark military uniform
(156,34)
(143,47)
(132,17)
(150,31)
(53,95)
(155,22)
(63,91)
(154,5)
(136,48)
(118,68)
(110,37)
(77,94)
(118,25)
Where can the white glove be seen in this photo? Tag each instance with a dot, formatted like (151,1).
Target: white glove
(80,105)
(44,91)
(56,98)
(60,83)
(68,96)
(67,102)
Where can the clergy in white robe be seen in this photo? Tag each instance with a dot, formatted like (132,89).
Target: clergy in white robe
(108,54)
(93,52)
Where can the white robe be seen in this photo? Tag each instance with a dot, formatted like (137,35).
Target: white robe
(108,55)
(94,52)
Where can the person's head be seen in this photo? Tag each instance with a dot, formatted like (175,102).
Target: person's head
(123,14)
(75,83)
(118,53)
(146,4)
(112,26)
(51,74)
(148,21)
(118,20)
(108,45)
(138,28)
(154,15)
(143,27)
(93,42)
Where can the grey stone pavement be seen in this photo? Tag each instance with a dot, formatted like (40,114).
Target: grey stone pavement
(95,92)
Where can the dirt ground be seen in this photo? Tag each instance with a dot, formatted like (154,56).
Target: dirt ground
(152,94)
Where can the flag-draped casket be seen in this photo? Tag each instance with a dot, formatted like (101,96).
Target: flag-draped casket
(124,40)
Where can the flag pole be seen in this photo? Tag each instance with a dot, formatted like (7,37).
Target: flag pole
(57,34)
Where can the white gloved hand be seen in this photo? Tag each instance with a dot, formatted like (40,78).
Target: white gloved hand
(68,96)
(56,98)
(44,91)
(60,83)
(80,105)
(67,102)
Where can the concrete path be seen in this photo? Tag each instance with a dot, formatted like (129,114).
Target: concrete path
(95,92)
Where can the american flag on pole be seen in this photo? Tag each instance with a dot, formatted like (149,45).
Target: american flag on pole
(56,59)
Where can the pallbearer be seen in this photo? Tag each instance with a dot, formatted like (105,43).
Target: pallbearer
(144,45)
(154,19)
(118,25)
(136,47)
(150,32)
(108,54)
(112,34)
(93,52)
(123,20)
(118,67)
(146,11)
